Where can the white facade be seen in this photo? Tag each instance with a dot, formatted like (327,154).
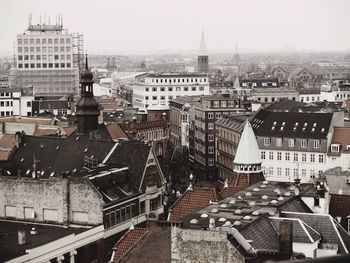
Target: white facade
(15,102)
(47,58)
(310,97)
(335,91)
(158,89)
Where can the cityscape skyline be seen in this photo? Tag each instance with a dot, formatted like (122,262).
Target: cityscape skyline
(139,28)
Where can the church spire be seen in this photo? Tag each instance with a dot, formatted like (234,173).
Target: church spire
(202,46)
(247,159)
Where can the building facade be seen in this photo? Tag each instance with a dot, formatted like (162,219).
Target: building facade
(48,58)
(159,89)
(16,101)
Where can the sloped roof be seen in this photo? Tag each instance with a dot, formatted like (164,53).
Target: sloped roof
(291,124)
(339,206)
(341,135)
(115,131)
(326,225)
(34,120)
(127,242)
(202,46)
(263,234)
(301,231)
(248,150)
(7,141)
(192,201)
(154,246)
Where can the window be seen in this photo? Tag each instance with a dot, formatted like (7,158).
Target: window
(217,115)
(287,172)
(279,171)
(20,57)
(270,155)
(312,158)
(211,162)
(146,89)
(312,173)
(201,88)
(279,156)
(290,142)
(68,65)
(295,157)
(146,98)
(50,214)
(316,144)
(162,89)
(320,158)
(210,149)
(20,65)
(223,104)
(287,156)
(193,88)
(303,143)
(29,103)
(29,213)
(267,141)
(303,173)
(211,126)
(279,142)
(211,137)
(154,89)
(10,211)
(295,172)
(170,89)
(303,157)
(56,57)
(210,115)
(185,88)
(334,148)
(154,97)
(263,155)
(216,104)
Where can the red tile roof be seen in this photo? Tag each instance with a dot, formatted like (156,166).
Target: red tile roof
(192,201)
(45,132)
(7,143)
(127,242)
(339,206)
(115,131)
(239,182)
(43,121)
(341,135)
(69,130)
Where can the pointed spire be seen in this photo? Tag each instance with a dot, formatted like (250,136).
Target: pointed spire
(248,153)
(86,61)
(203,46)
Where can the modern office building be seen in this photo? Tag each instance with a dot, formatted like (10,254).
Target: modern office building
(158,89)
(49,58)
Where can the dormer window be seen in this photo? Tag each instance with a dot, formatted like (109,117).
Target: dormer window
(335,147)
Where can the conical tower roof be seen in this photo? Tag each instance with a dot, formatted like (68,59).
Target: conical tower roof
(202,46)
(248,151)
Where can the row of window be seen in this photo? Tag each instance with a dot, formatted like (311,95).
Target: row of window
(160,97)
(44,57)
(32,41)
(287,172)
(7,103)
(291,142)
(273,99)
(224,103)
(179,80)
(44,49)
(287,156)
(307,98)
(44,65)
(155,89)
(6,113)
(120,215)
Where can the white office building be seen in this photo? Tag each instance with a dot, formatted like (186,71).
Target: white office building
(16,101)
(158,89)
(48,58)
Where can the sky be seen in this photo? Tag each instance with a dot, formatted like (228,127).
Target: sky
(160,26)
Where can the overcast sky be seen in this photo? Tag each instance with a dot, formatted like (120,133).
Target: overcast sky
(128,26)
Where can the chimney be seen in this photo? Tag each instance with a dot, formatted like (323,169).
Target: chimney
(21,237)
(18,138)
(286,239)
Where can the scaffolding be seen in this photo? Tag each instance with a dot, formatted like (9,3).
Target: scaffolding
(78,51)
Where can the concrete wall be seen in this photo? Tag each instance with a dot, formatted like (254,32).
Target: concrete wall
(202,246)
(308,249)
(61,194)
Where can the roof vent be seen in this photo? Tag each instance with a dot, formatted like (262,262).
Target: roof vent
(237,223)
(57,147)
(233,201)
(25,144)
(296,124)
(283,123)
(28,172)
(305,124)
(42,145)
(273,202)
(322,130)
(277,190)
(248,194)
(194,221)
(264,197)
(214,210)
(33,231)
(255,213)
(313,130)
(238,211)
(262,186)
(223,205)
(252,203)
(52,174)
(280,198)
(204,215)
(256,189)
(274,123)
(77,138)
(287,194)
(22,159)
(86,149)
(265,182)
(247,218)
(222,219)
(295,128)
(227,223)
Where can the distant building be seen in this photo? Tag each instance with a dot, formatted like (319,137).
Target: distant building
(16,101)
(48,58)
(203,59)
(159,89)
(335,91)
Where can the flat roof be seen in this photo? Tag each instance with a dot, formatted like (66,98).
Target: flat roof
(9,247)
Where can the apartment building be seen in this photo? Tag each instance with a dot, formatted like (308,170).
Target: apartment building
(48,58)
(294,145)
(159,89)
(16,101)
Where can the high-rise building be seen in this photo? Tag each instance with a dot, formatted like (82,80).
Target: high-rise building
(49,58)
(203,60)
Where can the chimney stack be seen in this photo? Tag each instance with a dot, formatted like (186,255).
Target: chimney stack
(286,239)
(21,237)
